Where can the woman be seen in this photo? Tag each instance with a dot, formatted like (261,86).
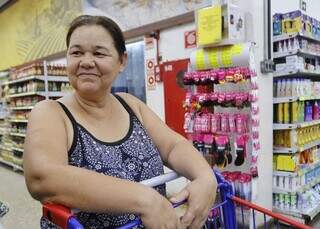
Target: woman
(89,149)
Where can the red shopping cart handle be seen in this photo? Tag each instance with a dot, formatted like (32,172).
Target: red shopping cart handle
(60,216)
(270,213)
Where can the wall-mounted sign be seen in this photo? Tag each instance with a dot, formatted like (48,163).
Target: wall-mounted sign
(190,39)
(151,80)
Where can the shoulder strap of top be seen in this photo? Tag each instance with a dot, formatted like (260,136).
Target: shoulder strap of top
(68,113)
(125,105)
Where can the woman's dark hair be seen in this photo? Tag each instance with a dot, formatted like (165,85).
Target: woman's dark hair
(108,24)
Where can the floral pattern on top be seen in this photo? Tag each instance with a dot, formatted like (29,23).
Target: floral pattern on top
(134,158)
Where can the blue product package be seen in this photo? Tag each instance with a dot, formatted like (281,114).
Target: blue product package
(277,28)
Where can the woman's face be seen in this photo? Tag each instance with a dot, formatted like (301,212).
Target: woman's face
(93,62)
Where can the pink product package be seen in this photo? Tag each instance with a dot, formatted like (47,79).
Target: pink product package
(221,76)
(188,123)
(232,124)
(225,123)
(197,123)
(215,123)
(206,123)
(213,76)
(241,123)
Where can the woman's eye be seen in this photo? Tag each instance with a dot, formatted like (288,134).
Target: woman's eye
(99,54)
(76,53)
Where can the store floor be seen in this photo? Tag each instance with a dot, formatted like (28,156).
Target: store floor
(25,212)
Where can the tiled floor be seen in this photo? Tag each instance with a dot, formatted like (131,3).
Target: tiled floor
(25,212)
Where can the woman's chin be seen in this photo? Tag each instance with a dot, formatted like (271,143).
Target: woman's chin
(87,89)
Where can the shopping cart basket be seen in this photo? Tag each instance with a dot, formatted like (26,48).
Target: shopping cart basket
(230,212)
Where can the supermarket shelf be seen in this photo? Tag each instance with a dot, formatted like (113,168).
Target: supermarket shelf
(294,213)
(279,126)
(17,149)
(297,73)
(292,35)
(58,78)
(284,150)
(14,166)
(294,98)
(22,108)
(42,77)
(19,120)
(308,146)
(5,148)
(310,123)
(41,93)
(298,173)
(297,190)
(285,99)
(56,94)
(284,54)
(312,212)
(295,52)
(18,135)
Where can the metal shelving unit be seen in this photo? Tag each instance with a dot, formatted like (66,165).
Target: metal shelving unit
(14,166)
(295,52)
(9,153)
(306,171)
(293,35)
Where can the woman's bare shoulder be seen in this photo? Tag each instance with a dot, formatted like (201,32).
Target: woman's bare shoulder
(46,110)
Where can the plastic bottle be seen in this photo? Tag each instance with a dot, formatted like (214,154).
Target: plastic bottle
(280,113)
(288,88)
(278,88)
(286,113)
(294,112)
(315,109)
(294,87)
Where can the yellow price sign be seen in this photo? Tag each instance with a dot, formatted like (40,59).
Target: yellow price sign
(226,56)
(209,25)
(200,59)
(237,49)
(213,57)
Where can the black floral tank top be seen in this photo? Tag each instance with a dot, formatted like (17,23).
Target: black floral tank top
(134,158)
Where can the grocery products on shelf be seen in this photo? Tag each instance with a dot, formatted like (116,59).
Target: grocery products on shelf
(296,135)
(27,85)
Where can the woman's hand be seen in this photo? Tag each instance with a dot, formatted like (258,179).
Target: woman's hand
(201,194)
(159,213)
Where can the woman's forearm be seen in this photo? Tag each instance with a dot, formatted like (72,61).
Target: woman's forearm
(187,161)
(89,191)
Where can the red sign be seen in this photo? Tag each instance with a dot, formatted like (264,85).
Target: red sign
(151,81)
(190,39)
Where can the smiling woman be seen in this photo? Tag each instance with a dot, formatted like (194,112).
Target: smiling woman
(98,146)
(94,61)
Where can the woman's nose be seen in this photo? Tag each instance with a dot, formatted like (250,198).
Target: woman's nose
(87,62)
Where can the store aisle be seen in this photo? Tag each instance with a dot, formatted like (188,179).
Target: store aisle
(24,211)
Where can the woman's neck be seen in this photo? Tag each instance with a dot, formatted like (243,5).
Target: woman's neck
(94,107)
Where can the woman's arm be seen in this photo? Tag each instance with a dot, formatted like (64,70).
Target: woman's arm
(50,179)
(179,154)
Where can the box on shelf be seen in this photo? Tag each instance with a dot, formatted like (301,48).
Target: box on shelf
(285,163)
(220,25)
(277,26)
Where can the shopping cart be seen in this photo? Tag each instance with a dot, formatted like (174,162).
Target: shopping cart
(230,212)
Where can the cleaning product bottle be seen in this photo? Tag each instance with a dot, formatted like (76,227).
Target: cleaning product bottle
(286,113)
(280,113)
(315,109)
(294,112)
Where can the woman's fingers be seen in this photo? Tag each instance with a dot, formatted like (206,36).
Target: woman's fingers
(179,197)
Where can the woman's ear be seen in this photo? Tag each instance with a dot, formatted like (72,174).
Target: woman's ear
(123,61)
